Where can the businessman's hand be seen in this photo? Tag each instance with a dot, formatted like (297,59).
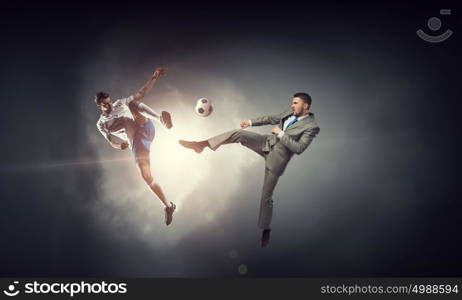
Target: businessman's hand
(245,124)
(276,130)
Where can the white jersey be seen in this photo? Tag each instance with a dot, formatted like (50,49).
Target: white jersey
(119,122)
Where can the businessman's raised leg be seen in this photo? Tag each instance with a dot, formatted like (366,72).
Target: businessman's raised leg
(251,140)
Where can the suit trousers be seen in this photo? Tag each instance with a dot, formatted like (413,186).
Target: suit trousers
(255,142)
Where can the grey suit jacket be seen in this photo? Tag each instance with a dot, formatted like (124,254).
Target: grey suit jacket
(295,140)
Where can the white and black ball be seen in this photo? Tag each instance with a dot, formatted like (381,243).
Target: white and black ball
(204,107)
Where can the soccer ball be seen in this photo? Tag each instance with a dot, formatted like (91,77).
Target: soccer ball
(204,107)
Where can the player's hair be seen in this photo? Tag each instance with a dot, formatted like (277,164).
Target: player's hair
(305,97)
(100,96)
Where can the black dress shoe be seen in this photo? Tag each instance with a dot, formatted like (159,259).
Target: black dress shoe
(265,237)
(196,146)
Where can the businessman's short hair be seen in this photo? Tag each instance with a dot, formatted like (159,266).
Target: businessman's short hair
(100,96)
(304,96)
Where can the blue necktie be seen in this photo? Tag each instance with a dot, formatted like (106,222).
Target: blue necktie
(291,123)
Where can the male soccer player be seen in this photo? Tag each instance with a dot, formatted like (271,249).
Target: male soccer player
(295,130)
(129,120)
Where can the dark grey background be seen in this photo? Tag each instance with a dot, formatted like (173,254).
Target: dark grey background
(376,194)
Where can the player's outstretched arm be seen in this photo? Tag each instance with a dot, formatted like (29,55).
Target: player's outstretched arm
(114,144)
(107,135)
(149,84)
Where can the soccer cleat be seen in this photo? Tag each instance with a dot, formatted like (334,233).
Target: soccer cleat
(166,119)
(265,238)
(169,213)
(196,146)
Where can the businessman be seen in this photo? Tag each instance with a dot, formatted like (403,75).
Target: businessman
(294,132)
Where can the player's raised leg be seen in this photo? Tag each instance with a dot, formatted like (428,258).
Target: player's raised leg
(141,112)
(134,109)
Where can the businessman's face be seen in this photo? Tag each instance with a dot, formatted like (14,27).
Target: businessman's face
(106,105)
(299,107)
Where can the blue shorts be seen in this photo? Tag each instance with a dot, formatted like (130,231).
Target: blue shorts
(142,140)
